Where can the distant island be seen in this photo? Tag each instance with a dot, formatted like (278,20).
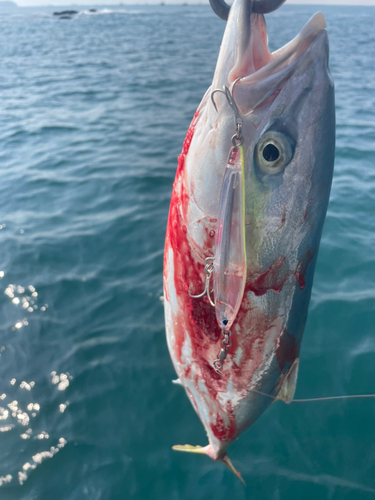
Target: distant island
(8,5)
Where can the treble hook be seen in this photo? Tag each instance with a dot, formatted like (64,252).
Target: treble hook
(208,270)
(230,98)
(232,103)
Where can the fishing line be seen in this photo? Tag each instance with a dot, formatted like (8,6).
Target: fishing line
(326,398)
(310,400)
(330,398)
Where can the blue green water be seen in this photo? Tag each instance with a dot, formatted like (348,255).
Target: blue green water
(93,113)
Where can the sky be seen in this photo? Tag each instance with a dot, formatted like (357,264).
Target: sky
(29,3)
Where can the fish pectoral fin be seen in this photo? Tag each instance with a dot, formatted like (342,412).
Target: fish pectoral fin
(231,467)
(188,448)
(288,389)
(177,382)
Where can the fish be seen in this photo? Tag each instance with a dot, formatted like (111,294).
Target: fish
(285,101)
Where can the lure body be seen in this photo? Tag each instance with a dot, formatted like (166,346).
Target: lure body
(230,251)
(286,101)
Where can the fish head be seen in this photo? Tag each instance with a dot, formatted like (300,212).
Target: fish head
(286,103)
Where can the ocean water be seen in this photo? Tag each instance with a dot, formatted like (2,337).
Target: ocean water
(93,113)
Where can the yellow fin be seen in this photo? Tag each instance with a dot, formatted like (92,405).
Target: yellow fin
(190,449)
(231,467)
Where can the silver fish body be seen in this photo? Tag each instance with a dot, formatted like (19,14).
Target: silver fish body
(286,102)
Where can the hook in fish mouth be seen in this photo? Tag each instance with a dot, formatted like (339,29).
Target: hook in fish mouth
(221,8)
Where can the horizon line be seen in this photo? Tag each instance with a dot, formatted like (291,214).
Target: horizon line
(338,3)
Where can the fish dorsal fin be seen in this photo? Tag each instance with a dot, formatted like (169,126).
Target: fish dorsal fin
(288,389)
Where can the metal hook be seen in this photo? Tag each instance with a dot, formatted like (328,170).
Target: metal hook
(237,138)
(209,269)
(226,343)
(230,98)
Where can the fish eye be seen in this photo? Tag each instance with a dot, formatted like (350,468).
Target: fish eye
(273,152)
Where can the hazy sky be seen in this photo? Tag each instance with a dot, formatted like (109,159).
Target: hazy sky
(27,3)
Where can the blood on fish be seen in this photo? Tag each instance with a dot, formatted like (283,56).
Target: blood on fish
(274,279)
(191,397)
(288,350)
(190,134)
(220,430)
(305,214)
(249,358)
(283,217)
(204,319)
(301,270)
(271,279)
(197,317)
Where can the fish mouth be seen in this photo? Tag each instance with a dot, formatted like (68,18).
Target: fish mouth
(253,60)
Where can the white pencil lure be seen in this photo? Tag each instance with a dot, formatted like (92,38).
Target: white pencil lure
(229,264)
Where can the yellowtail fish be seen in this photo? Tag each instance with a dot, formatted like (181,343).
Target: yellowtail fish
(247,211)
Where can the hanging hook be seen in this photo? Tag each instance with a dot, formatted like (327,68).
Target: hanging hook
(208,270)
(221,8)
(237,138)
(230,98)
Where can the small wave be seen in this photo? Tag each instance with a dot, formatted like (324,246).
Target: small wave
(94,12)
(322,479)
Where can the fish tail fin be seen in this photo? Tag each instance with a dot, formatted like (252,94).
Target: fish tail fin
(231,467)
(207,450)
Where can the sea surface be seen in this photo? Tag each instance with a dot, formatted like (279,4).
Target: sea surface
(93,114)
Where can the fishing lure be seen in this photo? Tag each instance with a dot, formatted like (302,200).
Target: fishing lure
(229,264)
(230,254)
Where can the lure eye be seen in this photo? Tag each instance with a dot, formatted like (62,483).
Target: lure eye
(273,152)
(224,321)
